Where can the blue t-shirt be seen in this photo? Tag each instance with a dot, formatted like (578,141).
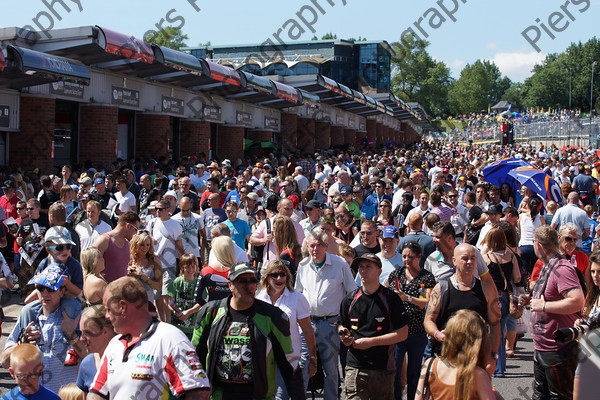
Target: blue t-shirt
(87,371)
(239,230)
(233,196)
(42,394)
(587,243)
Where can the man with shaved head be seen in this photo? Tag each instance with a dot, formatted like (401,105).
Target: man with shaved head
(462,291)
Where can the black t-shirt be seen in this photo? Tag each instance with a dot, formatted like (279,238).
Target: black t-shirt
(370,316)
(361,249)
(475,213)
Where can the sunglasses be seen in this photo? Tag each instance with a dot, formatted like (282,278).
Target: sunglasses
(341,216)
(308,208)
(160,208)
(186,210)
(252,281)
(452,196)
(42,288)
(61,247)
(278,275)
(366,233)
(383,205)
(30,208)
(20,208)
(231,211)
(570,239)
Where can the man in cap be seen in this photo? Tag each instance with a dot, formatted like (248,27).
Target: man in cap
(390,258)
(313,216)
(49,327)
(243,341)
(372,320)
(494,212)
(9,200)
(249,206)
(100,193)
(147,359)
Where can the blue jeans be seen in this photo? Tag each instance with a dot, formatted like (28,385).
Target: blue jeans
(501,362)
(328,346)
(282,393)
(414,345)
(528,256)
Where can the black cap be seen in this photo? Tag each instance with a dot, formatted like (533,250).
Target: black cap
(314,204)
(494,208)
(8,185)
(240,269)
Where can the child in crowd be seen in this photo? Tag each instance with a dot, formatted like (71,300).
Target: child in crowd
(181,292)
(26,368)
(349,202)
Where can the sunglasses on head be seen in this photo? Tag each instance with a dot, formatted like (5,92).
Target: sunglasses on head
(42,288)
(61,247)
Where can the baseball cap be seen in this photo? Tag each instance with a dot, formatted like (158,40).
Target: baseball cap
(8,185)
(226,162)
(267,166)
(366,257)
(171,193)
(346,190)
(240,269)
(597,164)
(51,277)
(252,196)
(389,231)
(493,208)
(98,181)
(295,200)
(58,235)
(258,165)
(202,166)
(314,204)
(153,204)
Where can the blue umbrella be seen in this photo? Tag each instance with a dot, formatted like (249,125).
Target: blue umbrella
(497,172)
(538,181)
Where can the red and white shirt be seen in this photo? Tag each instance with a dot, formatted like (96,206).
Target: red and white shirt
(162,359)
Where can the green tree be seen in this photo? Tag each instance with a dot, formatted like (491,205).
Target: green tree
(170,37)
(548,86)
(416,76)
(480,85)
(329,36)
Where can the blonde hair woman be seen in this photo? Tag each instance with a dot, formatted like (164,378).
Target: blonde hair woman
(460,371)
(143,264)
(94,281)
(212,283)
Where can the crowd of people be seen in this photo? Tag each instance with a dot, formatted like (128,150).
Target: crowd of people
(256,279)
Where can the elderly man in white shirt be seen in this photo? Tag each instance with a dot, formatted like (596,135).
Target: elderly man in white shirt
(325,279)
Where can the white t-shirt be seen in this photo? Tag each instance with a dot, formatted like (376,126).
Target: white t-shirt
(162,360)
(126,201)
(166,233)
(87,234)
(190,227)
(296,307)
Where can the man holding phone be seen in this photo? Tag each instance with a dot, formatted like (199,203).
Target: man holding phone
(372,320)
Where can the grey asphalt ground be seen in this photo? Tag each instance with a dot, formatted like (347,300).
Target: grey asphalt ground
(516,385)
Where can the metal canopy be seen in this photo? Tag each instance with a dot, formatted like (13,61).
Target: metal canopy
(400,110)
(24,67)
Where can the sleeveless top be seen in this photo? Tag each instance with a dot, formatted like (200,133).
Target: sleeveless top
(440,390)
(149,271)
(494,268)
(116,259)
(472,299)
(528,228)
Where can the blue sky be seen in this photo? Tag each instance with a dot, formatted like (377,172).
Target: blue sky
(489,29)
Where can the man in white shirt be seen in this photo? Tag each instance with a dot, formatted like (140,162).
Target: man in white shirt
(191,224)
(301,180)
(325,279)
(167,234)
(125,198)
(93,226)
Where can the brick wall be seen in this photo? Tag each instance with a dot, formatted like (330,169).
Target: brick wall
(98,127)
(337,136)
(195,136)
(371,129)
(379,138)
(230,142)
(152,134)
(31,147)
(305,134)
(289,129)
(349,136)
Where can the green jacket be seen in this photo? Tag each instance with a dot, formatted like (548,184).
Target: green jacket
(270,341)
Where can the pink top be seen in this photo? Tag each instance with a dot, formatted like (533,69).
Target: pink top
(116,259)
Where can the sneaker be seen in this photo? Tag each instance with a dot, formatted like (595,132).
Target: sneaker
(72,358)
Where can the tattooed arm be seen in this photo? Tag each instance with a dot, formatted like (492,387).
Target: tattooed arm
(432,313)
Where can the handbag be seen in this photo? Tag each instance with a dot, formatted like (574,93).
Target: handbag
(513,302)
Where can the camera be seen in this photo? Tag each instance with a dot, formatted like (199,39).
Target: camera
(566,335)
